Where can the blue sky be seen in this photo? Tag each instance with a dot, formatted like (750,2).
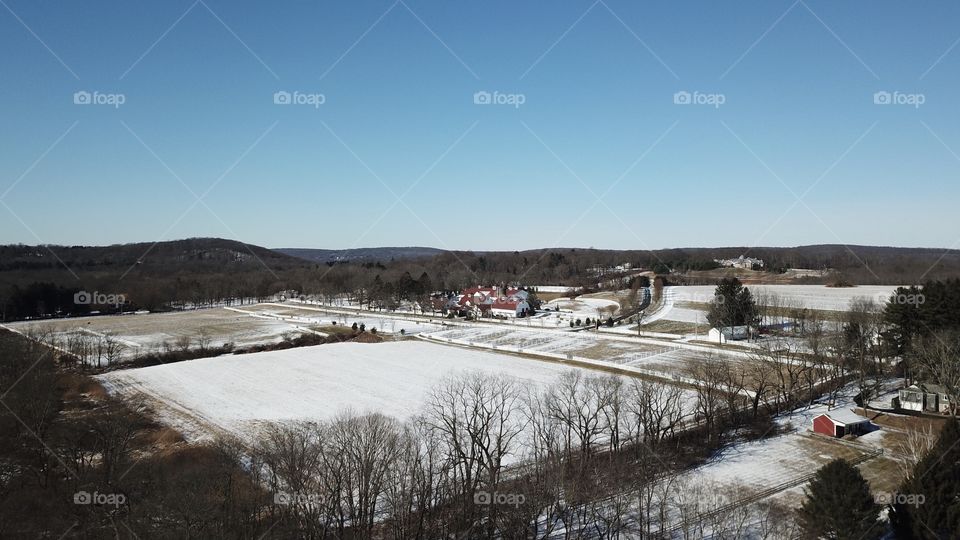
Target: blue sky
(598,154)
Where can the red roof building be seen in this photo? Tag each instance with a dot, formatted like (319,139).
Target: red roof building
(840,422)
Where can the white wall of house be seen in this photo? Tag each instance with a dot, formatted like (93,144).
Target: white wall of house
(716,336)
(911,400)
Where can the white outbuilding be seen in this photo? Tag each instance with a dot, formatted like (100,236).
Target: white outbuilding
(728,333)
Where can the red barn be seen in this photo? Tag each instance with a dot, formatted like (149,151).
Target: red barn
(840,422)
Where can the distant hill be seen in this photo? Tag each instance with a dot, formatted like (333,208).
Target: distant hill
(44,281)
(192,254)
(383,254)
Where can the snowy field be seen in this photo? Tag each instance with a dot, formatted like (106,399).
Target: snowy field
(580,344)
(554,288)
(236,394)
(147,333)
(820,297)
(810,296)
(316,316)
(583,306)
(687,315)
(656,359)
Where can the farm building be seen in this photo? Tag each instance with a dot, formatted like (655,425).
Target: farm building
(514,292)
(840,422)
(728,333)
(925,398)
(740,262)
(487,302)
(510,307)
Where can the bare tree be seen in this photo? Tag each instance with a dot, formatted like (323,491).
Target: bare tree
(918,442)
(655,409)
(369,446)
(113,349)
(936,356)
(709,376)
(578,402)
(862,350)
(474,417)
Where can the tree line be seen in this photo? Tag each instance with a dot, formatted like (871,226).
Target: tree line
(40,281)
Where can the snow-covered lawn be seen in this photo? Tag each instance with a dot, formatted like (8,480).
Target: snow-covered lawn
(583,307)
(687,315)
(235,394)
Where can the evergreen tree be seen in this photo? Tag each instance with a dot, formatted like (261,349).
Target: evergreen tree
(839,505)
(902,319)
(929,503)
(732,305)
(915,312)
(424,284)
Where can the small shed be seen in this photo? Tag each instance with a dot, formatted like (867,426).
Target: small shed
(728,333)
(840,422)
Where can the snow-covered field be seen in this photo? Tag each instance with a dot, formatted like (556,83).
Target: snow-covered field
(390,323)
(687,315)
(553,288)
(810,296)
(580,344)
(653,358)
(584,307)
(236,394)
(820,297)
(146,333)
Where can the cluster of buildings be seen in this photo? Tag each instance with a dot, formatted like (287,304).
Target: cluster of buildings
(740,262)
(482,301)
(918,398)
(600,271)
(925,398)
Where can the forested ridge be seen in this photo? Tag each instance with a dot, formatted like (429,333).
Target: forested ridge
(38,281)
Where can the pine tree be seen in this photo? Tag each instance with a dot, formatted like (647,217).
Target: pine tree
(732,305)
(839,505)
(929,502)
(903,320)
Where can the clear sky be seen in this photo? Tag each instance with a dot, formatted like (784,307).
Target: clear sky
(586,141)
